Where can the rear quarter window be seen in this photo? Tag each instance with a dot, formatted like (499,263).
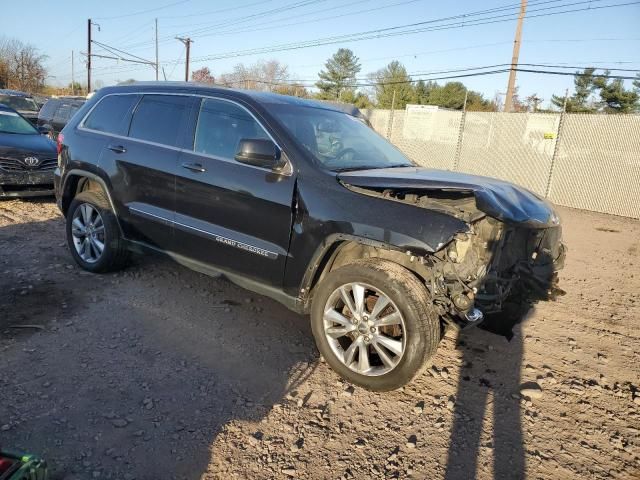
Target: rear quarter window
(110,114)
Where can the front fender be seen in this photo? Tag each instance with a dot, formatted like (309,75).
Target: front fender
(326,213)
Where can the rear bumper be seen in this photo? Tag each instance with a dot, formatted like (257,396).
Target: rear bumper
(26,184)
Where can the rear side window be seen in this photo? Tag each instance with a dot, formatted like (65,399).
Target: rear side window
(110,114)
(48,109)
(159,119)
(221,126)
(62,114)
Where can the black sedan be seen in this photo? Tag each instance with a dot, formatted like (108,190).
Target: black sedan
(27,157)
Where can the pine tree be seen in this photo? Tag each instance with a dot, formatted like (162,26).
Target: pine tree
(339,75)
(615,97)
(579,102)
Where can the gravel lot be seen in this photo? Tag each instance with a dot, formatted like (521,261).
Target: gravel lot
(158,372)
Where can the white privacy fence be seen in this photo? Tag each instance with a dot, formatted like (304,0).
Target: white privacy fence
(583,161)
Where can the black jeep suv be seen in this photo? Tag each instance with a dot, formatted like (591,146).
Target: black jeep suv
(302,202)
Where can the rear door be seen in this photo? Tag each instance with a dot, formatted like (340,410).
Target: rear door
(143,165)
(231,215)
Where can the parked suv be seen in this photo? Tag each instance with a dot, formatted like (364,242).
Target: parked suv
(56,112)
(383,254)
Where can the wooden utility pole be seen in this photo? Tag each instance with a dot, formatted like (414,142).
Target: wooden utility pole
(88,56)
(508,101)
(157,64)
(187,43)
(73,77)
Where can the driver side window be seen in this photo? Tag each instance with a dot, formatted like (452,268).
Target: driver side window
(221,126)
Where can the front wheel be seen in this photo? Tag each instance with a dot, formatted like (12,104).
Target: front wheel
(375,324)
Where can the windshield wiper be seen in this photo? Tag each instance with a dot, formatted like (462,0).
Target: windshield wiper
(370,167)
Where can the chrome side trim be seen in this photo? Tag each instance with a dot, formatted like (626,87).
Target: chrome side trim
(218,238)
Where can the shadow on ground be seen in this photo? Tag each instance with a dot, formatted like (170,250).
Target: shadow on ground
(134,374)
(488,407)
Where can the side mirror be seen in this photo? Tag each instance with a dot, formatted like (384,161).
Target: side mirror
(45,129)
(259,152)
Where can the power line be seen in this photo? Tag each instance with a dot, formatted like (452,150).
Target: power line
(115,51)
(582,68)
(470,14)
(252,28)
(201,32)
(222,10)
(547,72)
(506,66)
(142,12)
(391,31)
(431,77)
(236,20)
(284,8)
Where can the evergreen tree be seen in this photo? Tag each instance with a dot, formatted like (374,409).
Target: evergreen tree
(339,75)
(423,90)
(615,97)
(358,99)
(451,95)
(579,102)
(393,78)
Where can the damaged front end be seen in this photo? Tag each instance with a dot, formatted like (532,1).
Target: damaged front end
(492,265)
(509,254)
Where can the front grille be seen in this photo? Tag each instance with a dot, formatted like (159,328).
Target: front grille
(17,165)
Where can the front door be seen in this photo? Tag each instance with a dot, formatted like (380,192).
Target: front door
(231,215)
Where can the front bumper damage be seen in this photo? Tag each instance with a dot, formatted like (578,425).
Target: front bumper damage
(495,267)
(26,184)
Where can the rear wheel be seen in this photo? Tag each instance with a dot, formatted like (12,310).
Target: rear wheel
(93,235)
(374,323)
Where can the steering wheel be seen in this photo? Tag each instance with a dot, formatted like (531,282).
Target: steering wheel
(344,153)
(337,160)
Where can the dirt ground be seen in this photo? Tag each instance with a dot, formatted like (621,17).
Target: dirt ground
(159,372)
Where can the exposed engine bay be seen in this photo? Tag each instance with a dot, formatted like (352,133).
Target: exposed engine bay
(491,264)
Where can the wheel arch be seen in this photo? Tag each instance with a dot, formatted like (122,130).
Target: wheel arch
(341,249)
(77,181)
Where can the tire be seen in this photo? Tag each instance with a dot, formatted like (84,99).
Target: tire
(419,324)
(115,254)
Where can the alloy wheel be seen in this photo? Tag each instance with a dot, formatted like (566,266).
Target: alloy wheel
(365,329)
(88,233)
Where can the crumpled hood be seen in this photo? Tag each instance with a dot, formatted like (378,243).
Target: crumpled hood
(499,199)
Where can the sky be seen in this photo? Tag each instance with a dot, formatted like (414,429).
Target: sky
(600,37)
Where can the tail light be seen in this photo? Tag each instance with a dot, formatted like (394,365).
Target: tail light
(60,140)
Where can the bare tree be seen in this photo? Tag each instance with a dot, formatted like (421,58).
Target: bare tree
(21,66)
(262,75)
(203,75)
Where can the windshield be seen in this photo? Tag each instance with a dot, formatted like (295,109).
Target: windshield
(11,122)
(18,103)
(339,141)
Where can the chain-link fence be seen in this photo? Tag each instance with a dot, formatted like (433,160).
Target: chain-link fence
(583,161)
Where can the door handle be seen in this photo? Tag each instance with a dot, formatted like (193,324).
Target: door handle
(194,167)
(117,148)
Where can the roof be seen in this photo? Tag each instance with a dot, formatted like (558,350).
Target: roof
(14,93)
(265,98)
